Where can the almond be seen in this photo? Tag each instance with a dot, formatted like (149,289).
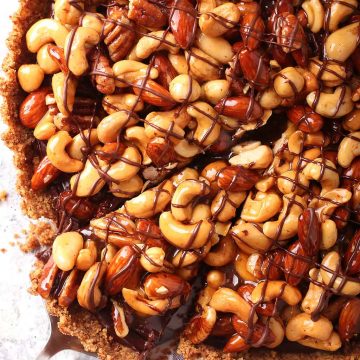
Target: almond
(252,29)
(255,68)
(309,232)
(44,174)
(81,208)
(57,54)
(164,285)
(305,118)
(153,93)
(236,344)
(166,71)
(243,108)
(296,264)
(237,178)
(47,279)
(161,152)
(146,14)
(352,255)
(149,233)
(183,22)
(120,270)
(222,144)
(34,107)
(349,319)
(69,289)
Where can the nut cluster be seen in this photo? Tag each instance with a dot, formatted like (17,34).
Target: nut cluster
(218,135)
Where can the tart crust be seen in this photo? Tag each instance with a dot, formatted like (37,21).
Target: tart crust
(77,321)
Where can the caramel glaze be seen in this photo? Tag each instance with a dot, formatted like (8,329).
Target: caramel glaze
(145,332)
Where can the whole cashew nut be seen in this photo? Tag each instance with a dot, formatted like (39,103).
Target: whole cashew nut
(45,31)
(332,105)
(121,102)
(184,196)
(225,203)
(156,41)
(315,14)
(87,256)
(291,182)
(262,207)
(288,82)
(58,85)
(150,202)
(275,289)
(83,39)
(330,266)
(250,238)
(30,77)
(185,236)
(207,130)
(184,88)
(224,253)
(213,91)
(217,47)
(349,148)
(202,66)
(288,226)
(329,234)
(127,188)
(240,267)
(58,156)
(67,13)
(340,44)
(89,294)
(330,72)
(78,143)
(228,300)
(314,294)
(301,326)
(333,343)
(259,157)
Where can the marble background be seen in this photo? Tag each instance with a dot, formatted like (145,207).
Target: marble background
(24,326)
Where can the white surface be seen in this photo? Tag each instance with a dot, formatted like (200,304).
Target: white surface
(24,326)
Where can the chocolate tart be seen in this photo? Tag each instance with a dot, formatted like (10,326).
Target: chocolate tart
(92,329)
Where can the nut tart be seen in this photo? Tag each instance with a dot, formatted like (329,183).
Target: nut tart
(198,157)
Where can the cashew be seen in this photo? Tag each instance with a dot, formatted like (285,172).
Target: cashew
(330,269)
(110,126)
(80,141)
(179,63)
(88,182)
(87,256)
(58,85)
(275,289)
(127,167)
(108,253)
(208,129)
(314,294)
(205,6)
(47,64)
(340,44)
(156,41)
(185,174)
(240,267)
(225,203)
(329,234)
(322,170)
(292,182)
(184,196)
(191,236)
(227,300)
(183,88)
(200,211)
(30,77)
(150,202)
(224,253)
(122,102)
(333,343)
(120,326)
(148,307)
(89,295)
(153,259)
(187,150)
(349,148)
(215,279)
(315,14)
(184,258)
(93,21)
(45,128)
(277,328)
(257,158)
(56,152)
(285,229)
(269,99)
(165,127)
(213,91)
(296,142)
(128,188)
(330,200)
(67,13)
(331,73)
(216,47)
(180,117)
(129,71)
(45,31)
(228,13)
(332,105)
(339,12)
(288,82)
(261,208)
(202,66)
(250,237)
(301,326)
(136,135)
(83,39)
(66,248)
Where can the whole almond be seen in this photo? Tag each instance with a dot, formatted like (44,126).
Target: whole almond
(166,71)
(44,174)
(47,278)
(349,320)
(161,152)
(34,107)
(352,255)
(81,208)
(252,29)
(237,178)
(305,118)
(309,232)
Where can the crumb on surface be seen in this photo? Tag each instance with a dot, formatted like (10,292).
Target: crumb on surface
(3,250)
(39,234)
(3,195)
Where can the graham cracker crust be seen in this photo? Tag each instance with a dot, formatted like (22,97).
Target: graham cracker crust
(76,321)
